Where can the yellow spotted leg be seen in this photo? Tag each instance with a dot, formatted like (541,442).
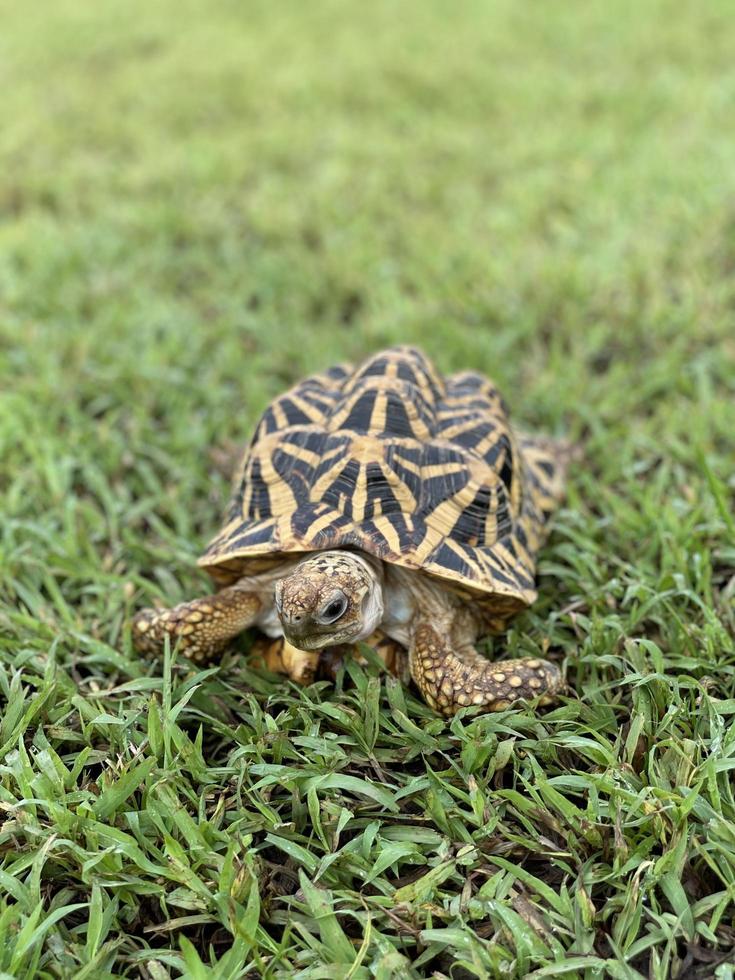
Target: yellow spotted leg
(202,627)
(451,677)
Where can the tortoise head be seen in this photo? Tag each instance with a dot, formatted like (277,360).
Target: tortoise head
(331,597)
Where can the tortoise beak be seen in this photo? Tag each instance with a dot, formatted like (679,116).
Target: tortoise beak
(303,631)
(296,623)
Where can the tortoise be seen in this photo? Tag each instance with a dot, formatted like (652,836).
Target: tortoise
(383,496)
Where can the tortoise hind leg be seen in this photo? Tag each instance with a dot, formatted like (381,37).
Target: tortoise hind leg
(452,676)
(202,627)
(281,657)
(389,651)
(303,667)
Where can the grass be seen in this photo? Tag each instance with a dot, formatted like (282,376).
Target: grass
(199,204)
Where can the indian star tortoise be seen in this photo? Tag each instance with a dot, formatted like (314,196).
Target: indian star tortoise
(384,497)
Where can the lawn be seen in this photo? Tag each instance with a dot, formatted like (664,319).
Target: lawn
(199,203)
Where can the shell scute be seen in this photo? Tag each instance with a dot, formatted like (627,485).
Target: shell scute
(391,458)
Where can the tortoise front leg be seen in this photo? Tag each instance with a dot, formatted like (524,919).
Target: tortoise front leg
(451,676)
(202,627)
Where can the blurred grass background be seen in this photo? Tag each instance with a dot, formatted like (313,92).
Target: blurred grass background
(200,203)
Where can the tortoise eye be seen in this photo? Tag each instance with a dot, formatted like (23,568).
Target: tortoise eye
(334,610)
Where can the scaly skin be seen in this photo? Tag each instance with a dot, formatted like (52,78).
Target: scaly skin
(450,680)
(439,628)
(202,627)
(448,670)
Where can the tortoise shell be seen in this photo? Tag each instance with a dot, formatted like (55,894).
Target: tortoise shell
(391,458)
